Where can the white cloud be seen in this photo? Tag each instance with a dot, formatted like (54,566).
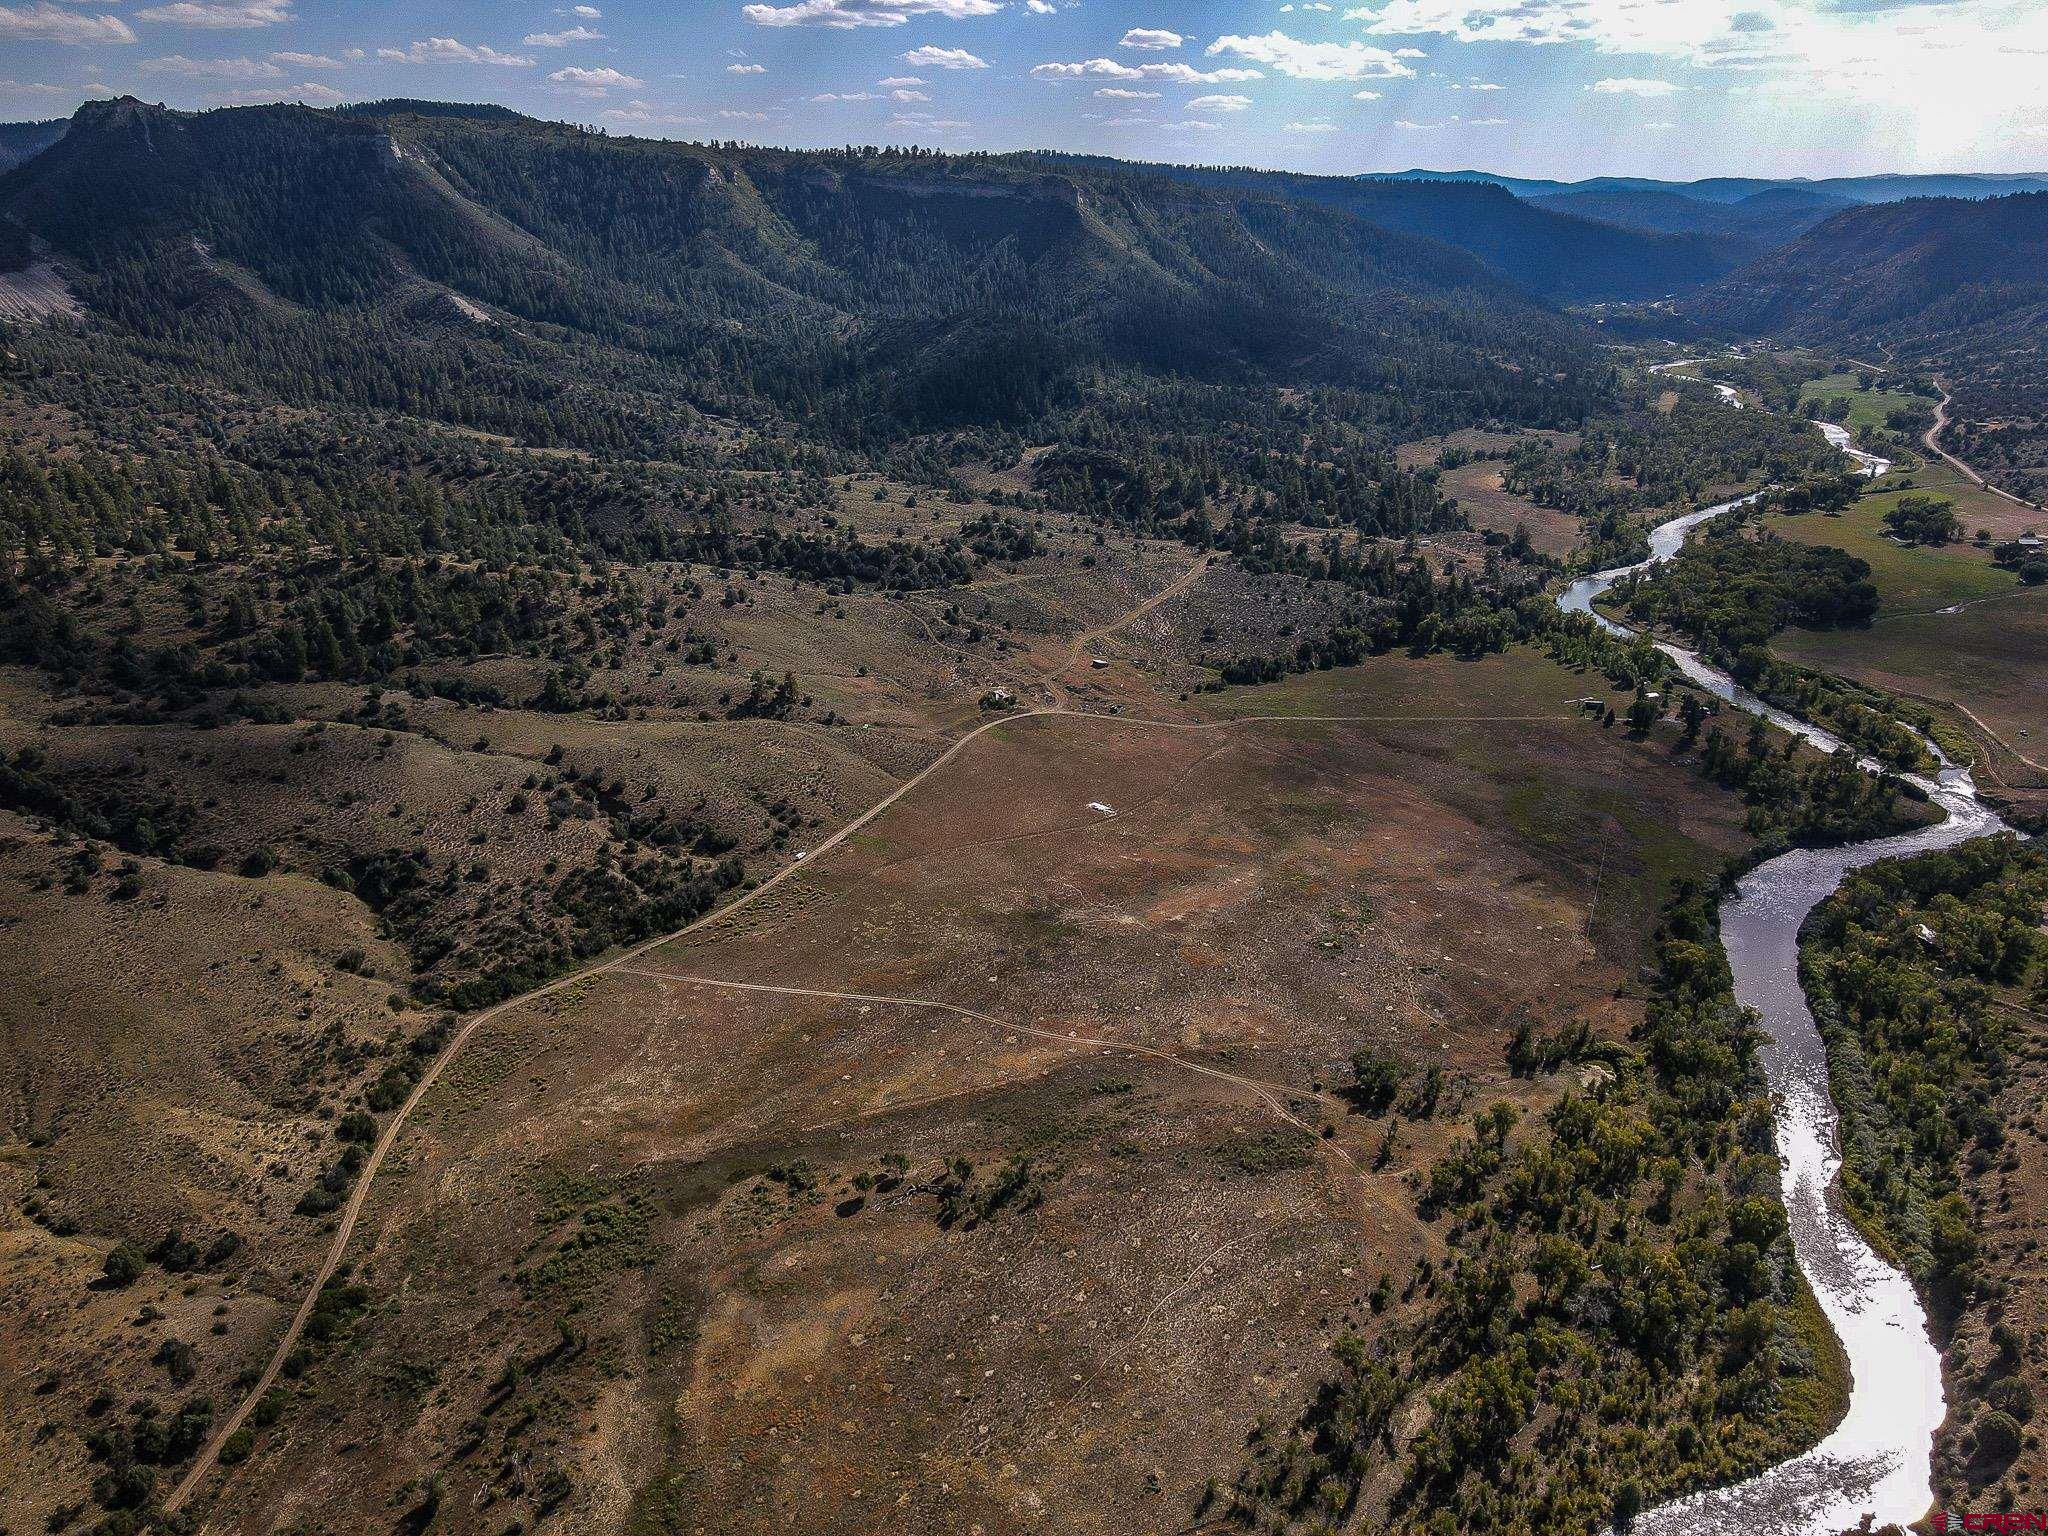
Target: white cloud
(746,69)
(1151,39)
(1365,95)
(1040,7)
(308,60)
(908,95)
(1220,104)
(1626,85)
(590,11)
(220,14)
(902,80)
(828,97)
(924,122)
(1932,82)
(1176,74)
(1699,31)
(1314,61)
(929,57)
(47,23)
(1192,122)
(1454,122)
(310,92)
(1119,93)
(210,69)
(864,13)
(446,50)
(1311,127)
(594,80)
(1533,21)
(564,38)
(645,114)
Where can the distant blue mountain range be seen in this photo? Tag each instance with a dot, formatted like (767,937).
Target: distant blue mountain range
(1735,189)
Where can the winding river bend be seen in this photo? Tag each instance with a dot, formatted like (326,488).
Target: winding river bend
(1877,1463)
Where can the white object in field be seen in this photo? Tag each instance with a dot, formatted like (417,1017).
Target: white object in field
(1097,805)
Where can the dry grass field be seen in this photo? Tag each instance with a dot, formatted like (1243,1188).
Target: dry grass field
(182,1041)
(994,1165)
(1476,487)
(992,1169)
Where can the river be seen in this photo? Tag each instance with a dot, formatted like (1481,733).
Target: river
(1877,1462)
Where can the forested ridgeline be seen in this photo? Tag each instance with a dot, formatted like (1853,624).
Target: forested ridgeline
(407,332)
(1556,253)
(871,293)
(1926,979)
(1912,271)
(1943,286)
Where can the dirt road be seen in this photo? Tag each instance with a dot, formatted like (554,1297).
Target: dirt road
(1272,1095)
(1086,640)
(351,1213)
(1931,441)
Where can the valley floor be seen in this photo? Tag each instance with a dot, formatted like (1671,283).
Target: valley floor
(993,1161)
(759,1173)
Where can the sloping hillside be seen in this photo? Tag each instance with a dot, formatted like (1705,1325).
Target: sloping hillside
(885,291)
(1929,271)
(23,141)
(1555,255)
(1759,221)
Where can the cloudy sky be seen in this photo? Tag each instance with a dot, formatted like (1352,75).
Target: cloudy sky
(1562,88)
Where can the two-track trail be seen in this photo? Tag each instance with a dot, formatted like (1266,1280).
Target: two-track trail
(350,1215)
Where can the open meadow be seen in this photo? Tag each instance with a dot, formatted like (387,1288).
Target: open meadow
(1000,1161)
(1953,630)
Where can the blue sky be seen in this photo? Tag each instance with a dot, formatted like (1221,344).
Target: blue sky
(1563,88)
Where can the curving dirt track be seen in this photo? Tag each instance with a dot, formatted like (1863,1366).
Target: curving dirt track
(351,1213)
(1931,441)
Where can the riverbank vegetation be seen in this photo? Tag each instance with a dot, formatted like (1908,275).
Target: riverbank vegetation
(1735,587)
(1730,589)
(1882,409)
(1621,1320)
(1926,978)
(1641,460)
